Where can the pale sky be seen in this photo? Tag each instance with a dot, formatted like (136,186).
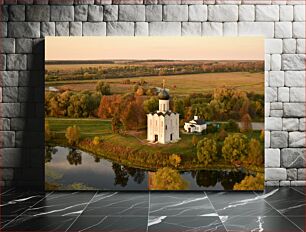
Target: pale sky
(171,48)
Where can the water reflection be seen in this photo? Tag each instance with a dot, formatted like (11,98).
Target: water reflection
(75,166)
(74,157)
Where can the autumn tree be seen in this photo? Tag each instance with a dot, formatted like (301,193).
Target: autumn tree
(231,126)
(175,160)
(73,134)
(207,151)
(222,135)
(251,183)
(151,104)
(48,133)
(116,123)
(179,107)
(103,88)
(167,179)
(96,140)
(235,148)
(246,123)
(255,154)
(195,140)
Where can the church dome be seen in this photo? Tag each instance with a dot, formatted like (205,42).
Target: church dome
(163,95)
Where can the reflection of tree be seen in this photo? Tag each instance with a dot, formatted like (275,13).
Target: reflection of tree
(74,157)
(139,176)
(49,151)
(122,176)
(229,179)
(97,159)
(207,178)
(167,179)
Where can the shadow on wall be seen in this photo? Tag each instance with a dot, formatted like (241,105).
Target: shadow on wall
(31,136)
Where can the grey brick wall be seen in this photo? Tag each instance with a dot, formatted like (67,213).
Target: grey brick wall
(24,24)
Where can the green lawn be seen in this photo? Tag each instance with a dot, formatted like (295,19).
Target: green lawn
(97,127)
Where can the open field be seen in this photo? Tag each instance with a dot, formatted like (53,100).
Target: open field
(178,84)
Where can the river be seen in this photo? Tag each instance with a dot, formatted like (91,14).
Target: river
(75,169)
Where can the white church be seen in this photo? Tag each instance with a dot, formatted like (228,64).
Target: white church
(163,125)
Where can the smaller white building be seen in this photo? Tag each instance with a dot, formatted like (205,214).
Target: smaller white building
(195,125)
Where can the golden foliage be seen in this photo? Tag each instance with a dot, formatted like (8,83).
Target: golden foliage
(73,134)
(251,183)
(175,160)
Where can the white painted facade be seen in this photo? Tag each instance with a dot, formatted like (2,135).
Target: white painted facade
(163,125)
(195,125)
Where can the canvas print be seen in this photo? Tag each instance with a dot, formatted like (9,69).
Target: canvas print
(154,113)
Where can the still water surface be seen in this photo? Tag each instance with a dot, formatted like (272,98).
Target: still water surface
(66,166)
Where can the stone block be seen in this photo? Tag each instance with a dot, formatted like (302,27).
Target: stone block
(8,78)
(272,158)
(301,174)
(289,46)
(267,139)
(283,94)
(62,28)
(295,78)
(212,29)
(294,109)
(110,12)
(230,29)
(164,29)
(293,61)
(141,29)
(290,124)
(120,29)
(297,94)
(246,13)
(286,13)
(94,28)
(272,123)
(191,29)
(256,28)
(12,157)
(276,62)
(270,94)
(81,13)
(283,30)
(222,13)
(16,62)
(17,13)
(38,13)
(273,46)
(279,139)
(302,125)
(297,139)
(300,47)
(299,13)
(95,13)
(175,13)
(275,174)
(293,157)
(267,13)
(277,113)
(292,174)
(8,45)
(75,29)
(9,94)
(276,79)
(297,183)
(47,29)
(62,13)
(24,45)
(11,109)
(197,13)
(154,13)
(24,29)
(131,13)
(298,30)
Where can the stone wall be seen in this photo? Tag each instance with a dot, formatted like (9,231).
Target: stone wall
(24,24)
